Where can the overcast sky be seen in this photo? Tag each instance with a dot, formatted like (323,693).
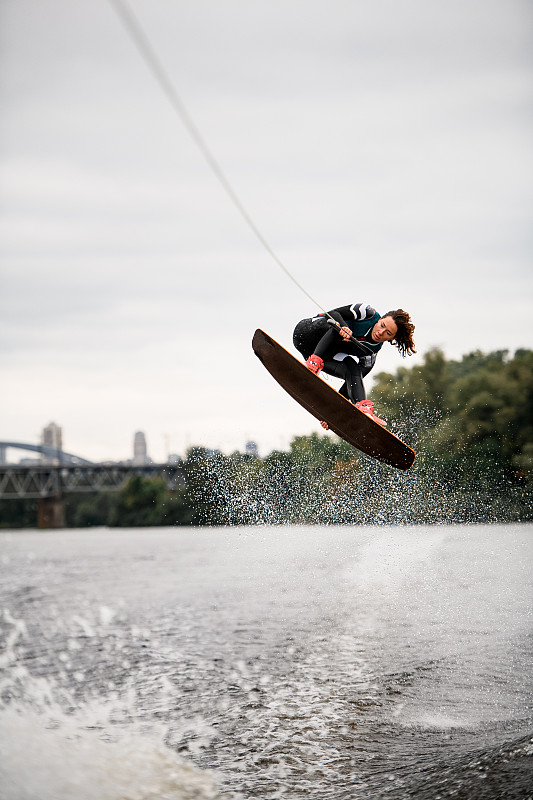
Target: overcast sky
(383,148)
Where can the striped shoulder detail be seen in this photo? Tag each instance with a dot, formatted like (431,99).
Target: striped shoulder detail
(362,311)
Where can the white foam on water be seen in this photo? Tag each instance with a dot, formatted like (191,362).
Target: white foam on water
(106,615)
(55,746)
(431,720)
(17,630)
(52,757)
(390,557)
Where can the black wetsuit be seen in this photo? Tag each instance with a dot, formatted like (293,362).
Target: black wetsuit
(319,337)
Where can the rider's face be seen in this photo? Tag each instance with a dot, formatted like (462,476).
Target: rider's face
(384,330)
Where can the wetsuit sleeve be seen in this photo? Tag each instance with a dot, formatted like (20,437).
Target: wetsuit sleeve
(337,316)
(357,312)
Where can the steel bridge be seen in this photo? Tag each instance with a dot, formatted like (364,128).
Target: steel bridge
(50,453)
(48,483)
(19,482)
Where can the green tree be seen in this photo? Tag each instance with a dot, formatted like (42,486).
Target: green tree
(88,510)
(18,513)
(139,503)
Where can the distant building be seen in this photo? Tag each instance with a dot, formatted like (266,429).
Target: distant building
(52,437)
(140,451)
(251,449)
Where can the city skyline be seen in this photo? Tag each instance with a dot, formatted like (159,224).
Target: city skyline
(52,437)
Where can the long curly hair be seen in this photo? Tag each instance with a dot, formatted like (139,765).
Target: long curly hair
(404,338)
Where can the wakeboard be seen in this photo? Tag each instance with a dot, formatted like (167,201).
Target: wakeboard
(325,403)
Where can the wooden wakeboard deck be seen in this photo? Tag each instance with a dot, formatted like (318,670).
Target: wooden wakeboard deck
(324,403)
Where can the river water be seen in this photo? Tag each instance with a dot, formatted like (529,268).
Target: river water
(278,662)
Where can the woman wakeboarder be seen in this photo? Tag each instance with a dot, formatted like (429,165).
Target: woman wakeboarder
(345,342)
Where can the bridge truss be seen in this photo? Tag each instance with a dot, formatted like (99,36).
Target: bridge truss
(39,481)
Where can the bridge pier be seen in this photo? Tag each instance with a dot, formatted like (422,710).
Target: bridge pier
(51,512)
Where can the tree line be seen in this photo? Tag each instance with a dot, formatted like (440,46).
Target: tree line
(470,422)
